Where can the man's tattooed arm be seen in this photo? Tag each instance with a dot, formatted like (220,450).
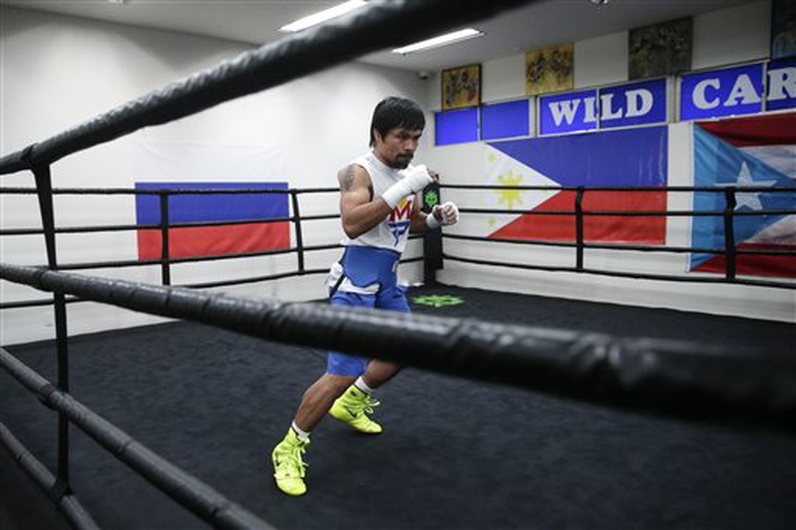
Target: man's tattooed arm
(346,178)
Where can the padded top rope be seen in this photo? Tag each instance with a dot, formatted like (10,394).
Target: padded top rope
(673,377)
(376,26)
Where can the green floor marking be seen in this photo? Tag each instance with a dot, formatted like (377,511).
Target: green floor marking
(438,300)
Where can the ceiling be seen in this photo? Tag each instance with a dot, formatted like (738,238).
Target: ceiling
(256,22)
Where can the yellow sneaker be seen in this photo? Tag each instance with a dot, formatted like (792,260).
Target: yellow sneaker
(351,408)
(289,468)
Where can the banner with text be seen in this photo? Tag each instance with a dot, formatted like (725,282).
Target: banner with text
(738,90)
(618,106)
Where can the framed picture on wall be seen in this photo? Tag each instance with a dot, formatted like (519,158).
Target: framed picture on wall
(549,70)
(660,49)
(461,87)
(783,29)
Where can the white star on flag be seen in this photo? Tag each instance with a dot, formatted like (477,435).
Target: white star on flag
(750,199)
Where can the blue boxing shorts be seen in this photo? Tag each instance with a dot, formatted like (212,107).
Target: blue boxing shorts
(365,277)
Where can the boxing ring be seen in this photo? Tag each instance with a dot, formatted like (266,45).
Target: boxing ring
(739,390)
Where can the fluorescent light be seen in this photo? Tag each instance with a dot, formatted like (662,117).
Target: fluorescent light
(322,16)
(442,40)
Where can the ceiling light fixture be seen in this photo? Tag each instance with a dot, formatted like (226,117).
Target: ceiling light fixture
(322,16)
(442,40)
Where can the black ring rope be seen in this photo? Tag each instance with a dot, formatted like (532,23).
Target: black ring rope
(310,248)
(129,227)
(199,285)
(672,377)
(601,246)
(20,190)
(74,511)
(617,246)
(198,497)
(629,213)
(33,303)
(243,281)
(712,189)
(372,28)
(620,274)
(634,213)
(730,250)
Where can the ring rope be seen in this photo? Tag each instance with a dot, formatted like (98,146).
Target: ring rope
(374,27)
(620,274)
(676,378)
(614,246)
(198,497)
(74,511)
(714,189)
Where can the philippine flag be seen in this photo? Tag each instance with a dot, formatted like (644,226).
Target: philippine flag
(214,240)
(755,151)
(624,158)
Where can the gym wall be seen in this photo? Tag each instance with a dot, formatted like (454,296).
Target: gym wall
(721,37)
(58,71)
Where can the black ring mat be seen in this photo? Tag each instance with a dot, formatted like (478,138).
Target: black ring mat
(454,454)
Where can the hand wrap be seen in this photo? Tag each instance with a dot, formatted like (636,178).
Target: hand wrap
(415,180)
(449,213)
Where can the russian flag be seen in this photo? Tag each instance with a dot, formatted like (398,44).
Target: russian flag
(753,151)
(624,158)
(214,240)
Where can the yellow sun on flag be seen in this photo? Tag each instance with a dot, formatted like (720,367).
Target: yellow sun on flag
(509,196)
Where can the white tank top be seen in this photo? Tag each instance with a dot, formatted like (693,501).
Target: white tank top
(393,231)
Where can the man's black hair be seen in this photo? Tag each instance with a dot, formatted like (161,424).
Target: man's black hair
(395,112)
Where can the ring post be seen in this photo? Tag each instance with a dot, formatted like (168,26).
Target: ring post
(729,232)
(297,226)
(165,269)
(44,192)
(432,239)
(579,228)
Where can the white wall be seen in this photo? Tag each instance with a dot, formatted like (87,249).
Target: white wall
(58,71)
(732,36)
(722,37)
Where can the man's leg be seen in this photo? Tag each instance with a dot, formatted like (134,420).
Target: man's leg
(354,405)
(318,399)
(379,372)
(357,399)
(287,456)
(341,371)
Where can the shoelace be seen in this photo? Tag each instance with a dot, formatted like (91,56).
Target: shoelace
(370,404)
(366,404)
(294,459)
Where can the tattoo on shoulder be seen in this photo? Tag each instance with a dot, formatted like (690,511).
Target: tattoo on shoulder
(346,177)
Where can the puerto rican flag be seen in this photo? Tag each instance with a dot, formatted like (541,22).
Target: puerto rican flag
(624,158)
(754,151)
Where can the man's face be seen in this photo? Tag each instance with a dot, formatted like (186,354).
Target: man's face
(397,147)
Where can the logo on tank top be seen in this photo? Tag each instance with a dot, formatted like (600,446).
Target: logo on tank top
(400,218)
